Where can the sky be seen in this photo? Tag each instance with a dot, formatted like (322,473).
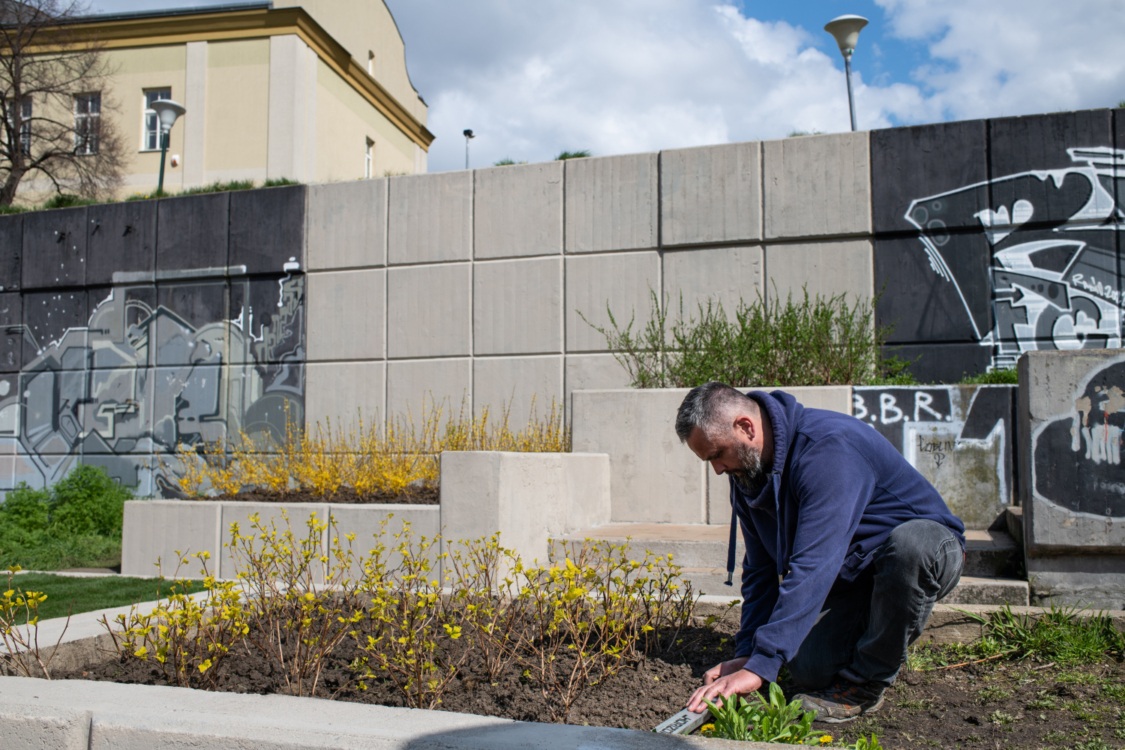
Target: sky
(536,77)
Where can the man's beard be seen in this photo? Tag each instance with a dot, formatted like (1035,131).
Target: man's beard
(750,478)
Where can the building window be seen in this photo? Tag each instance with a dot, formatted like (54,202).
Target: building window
(152,122)
(87,123)
(369,160)
(25,123)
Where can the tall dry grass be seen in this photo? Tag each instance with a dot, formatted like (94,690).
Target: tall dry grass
(370,458)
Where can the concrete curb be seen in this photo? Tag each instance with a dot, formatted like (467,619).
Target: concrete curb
(72,714)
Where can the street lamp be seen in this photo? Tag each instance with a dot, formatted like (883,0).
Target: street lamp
(468,133)
(167,112)
(846,30)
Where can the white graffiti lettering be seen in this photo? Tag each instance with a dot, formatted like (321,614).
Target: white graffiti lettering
(1093,286)
(859,408)
(889,411)
(1103,443)
(922,401)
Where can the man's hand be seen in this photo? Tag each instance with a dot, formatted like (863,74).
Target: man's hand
(723,680)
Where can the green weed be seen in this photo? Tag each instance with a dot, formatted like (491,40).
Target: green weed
(66,200)
(1061,634)
(564,155)
(1007,376)
(992,694)
(760,720)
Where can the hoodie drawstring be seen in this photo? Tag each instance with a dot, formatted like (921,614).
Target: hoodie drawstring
(733,542)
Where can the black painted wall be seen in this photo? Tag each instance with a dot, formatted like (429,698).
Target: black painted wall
(995,237)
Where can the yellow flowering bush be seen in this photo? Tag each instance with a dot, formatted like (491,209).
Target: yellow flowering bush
(22,653)
(369,457)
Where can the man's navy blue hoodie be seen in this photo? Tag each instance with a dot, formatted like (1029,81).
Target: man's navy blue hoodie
(835,491)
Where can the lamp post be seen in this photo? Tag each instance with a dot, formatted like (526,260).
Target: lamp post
(167,112)
(468,133)
(846,31)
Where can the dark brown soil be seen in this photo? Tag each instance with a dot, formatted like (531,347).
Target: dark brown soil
(414,496)
(993,705)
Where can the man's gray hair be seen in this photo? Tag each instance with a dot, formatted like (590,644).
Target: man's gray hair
(706,405)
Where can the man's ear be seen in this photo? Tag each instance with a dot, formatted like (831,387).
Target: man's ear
(745,425)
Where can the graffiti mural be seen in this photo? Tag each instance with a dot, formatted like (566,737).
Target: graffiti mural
(959,437)
(1052,237)
(185,361)
(1076,457)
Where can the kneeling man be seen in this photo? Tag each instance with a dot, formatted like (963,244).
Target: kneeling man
(848,548)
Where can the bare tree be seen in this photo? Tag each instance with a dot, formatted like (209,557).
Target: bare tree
(54,89)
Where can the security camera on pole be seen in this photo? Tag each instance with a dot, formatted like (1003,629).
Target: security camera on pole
(846,31)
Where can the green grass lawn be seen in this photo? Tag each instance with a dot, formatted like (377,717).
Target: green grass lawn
(88,594)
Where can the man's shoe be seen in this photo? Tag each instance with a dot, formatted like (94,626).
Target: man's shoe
(842,701)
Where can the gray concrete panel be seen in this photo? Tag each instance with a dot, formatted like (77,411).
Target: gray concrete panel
(347,315)
(378,524)
(347,225)
(820,268)
(344,392)
(817,185)
(718,497)
(612,203)
(430,311)
(589,372)
(1071,421)
(57,241)
(11,331)
(279,517)
(415,388)
(121,239)
(1089,582)
(654,478)
(942,362)
(193,232)
(11,251)
(430,218)
(190,406)
(155,530)
(517,210)
(190,326)
(517,307)
(117,416)
(711,194)
(121,321)
(269,319)
(267,229)
(45,727)
(723,275)
(624,282)
(517,383)
(55,329)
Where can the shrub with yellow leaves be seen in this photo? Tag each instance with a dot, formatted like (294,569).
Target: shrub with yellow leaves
(22,653)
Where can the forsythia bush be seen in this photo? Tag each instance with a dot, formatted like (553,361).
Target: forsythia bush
(369,458)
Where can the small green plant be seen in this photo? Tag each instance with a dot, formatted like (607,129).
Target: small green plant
(19,630)
(279,182)
(866,743)
(507,162)
(1006,376)
(992,694)
(564,155)
(760,720)
(1114,692)
(999,717)
(799,133)
(1044,701)
(66,200)
(1063,635)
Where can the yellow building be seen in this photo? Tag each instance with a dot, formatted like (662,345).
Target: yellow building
(315,91)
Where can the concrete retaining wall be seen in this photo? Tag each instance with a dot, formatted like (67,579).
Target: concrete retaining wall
(1072,488)
(527,497)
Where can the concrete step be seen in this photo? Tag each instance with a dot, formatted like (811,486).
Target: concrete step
(989,553)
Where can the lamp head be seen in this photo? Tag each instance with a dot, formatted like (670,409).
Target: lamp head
(468,134)
(846,31)
(168,112)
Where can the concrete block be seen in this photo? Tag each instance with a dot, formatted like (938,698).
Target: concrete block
(57,241)
(281,517)
(11,251)
(908,164)
(711,194)
(415,387)
(1095,582)
(55,328)
(718,497)
(517,307)
(723,275)
(193,233)
(347,314)
(190,336)
(517,210)
(524,496)
(269,319)
(385,521)
(44,727)
(116,315)
(347,225)
(593,372)
(154,530)
(343,392)
(430,218)
(517,383)
(824,268)
(837,398)
(429,311)
(611,203)
(121,239)
(625,282)
(267,229)
(1071,421)
(11,335)
(1020,150)
(653,477)
(817,185)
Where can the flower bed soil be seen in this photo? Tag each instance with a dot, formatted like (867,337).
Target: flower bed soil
(413,496)
(990,705)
